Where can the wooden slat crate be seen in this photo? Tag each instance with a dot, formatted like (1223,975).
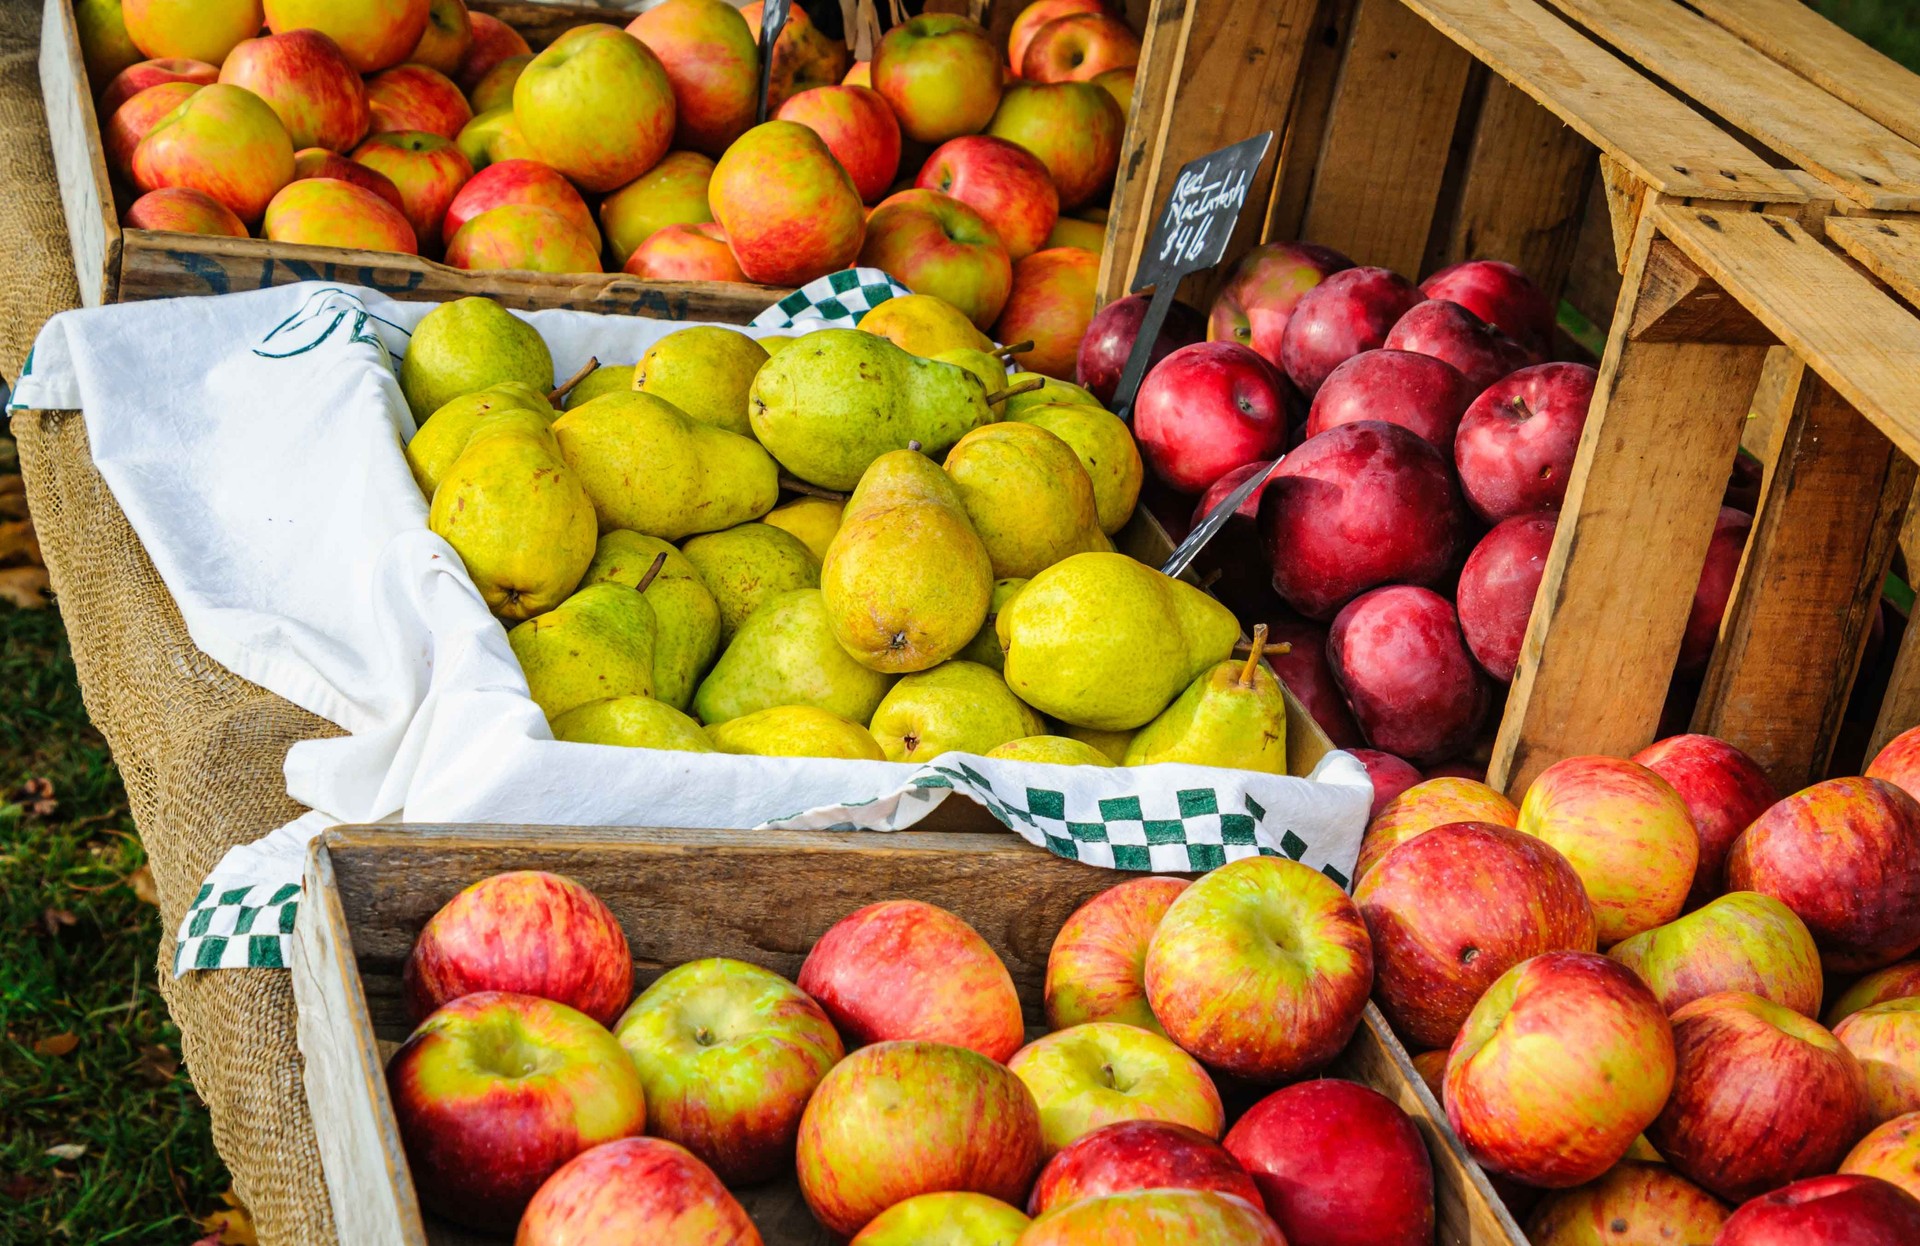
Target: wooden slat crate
(681,895)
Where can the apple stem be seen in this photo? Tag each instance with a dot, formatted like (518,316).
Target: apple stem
(1008,352)
(1025,387)
(659,561)
(1253,657)
(566,386)
(791,485)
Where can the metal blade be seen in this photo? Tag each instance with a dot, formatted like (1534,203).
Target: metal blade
(1216,519)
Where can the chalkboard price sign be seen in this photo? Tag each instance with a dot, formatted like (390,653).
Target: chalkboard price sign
(773,19)
(1191,233)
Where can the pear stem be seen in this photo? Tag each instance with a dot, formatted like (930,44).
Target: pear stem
(792,485)
(1273,649)
(659,561)
(1008,352)
(999,396)
(566,387)
(1253,656)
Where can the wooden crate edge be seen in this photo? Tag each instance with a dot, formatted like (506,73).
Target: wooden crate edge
(79,160)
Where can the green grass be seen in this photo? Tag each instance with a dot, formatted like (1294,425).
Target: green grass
(77,949)
(1893,26)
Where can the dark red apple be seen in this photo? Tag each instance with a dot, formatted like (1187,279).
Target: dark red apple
(1449,331)
(1254,306)
(1217,493)
(1725,791)
(1139,1155)
(1207,409)
(1304,670)
(1517,440)
(1710,596)
(1338,1164)
(1743,484)
(1419,392)
(1495,597)
(1359,505)
(1500,294)
(1389,775)
(1409,680)
(1841,1209)
(1351,311)
(1109,340)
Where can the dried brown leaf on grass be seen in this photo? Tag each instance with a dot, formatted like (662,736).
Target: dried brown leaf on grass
(25,588)
(141,882)
(62,1044)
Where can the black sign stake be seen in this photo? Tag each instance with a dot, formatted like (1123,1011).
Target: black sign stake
(773,19)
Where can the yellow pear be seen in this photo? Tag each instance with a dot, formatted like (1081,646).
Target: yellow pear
(632,722)
(605,379)
(774,343)
(1027,495)
(992,373)
(467,345)
(705,370)
(745,565)
(1111,745)
(984,648)
(445,433)
(686,631)
(520,521)
(1051,390)
(813,520)
(595,645)
(1105,447)
(650,468)
(1057,750)
(785,654)
(796,731)
(906,581)
(1234,716)
(923,325)
(957,707)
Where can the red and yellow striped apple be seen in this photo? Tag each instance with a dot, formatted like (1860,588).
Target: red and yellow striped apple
(1424,806)
(1033,17)
(1078,47)
(525,237)
(1725,791)
(1155,1218)
(1885,1039)
(306,79)
(1096,970)
(857,127)
(449,33)
(712,59)
(1632,1202)
(1893,982)
(180,210)
(319,162)
(223,140)
(1139,1155)
(493,41)
(1002,181)
(790,211)
(427,169)
(520,181)
(134,79)
(1743,941)
(1096,1074)
(1890,1152)
(1051,305)
(1074,128)
(673,192)
(330,212)
(413,97)
(131,121)
(1836,1210)
(685,253)
(635,1190)
(939,246)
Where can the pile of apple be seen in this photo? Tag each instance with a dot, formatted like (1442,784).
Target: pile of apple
(1407,526)
(418,127)
(895,1078)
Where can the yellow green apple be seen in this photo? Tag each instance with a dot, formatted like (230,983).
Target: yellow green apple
(1103,1072)
(205,30)
(1743,941)
(375,34)
(950,1218)
(328,212)
(1074,128)
(673,192)
(596,105)
(940,74)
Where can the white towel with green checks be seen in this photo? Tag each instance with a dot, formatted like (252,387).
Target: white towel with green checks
(254,442)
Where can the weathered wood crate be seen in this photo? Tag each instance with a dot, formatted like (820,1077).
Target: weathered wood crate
(681,895)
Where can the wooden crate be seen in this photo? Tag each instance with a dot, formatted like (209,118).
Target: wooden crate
(681,895)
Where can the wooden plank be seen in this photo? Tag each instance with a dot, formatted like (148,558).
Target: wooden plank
(1626,196)
(1679,302)
(79,160)
(1162,48)
(1376,189)
(1889,249)
(1864,161)
(1816,49)
(1846,329)
(1900,707)
(1613,602)
(1659,139)
(1307,120)
(1808,587)
(1525,189)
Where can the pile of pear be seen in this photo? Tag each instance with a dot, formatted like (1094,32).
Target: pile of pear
(857,543)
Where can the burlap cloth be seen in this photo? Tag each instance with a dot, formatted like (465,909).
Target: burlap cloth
(36,266)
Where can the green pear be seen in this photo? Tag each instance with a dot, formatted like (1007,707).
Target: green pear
(957,707)
(813,520)
(837,399)
(467,345)
(1056,750)
(1102,641)
(1105,447)
(686,631)
(1051,390)
(706,371)
(796,731)
(924,324)
(774,343)
(745,565)
(785,654)
(632,722)
(595,645)
(651,469)
(1111,745)
(1234,716)
(992,373)
(984,648)
(519,519)
(439,441)
(605,379)
(906,581)
(1028,497)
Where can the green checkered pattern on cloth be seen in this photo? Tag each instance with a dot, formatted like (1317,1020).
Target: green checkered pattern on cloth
(238,928)
(835,301)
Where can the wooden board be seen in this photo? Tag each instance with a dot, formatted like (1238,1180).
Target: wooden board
(1816,49)
(1900,707)
(1863,161)
(680,895)
(1307,119)
(1889,249)
(79,159)
(1662,141)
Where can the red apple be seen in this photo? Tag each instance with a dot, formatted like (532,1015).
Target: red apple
(596,105)
(1139,1155)
(1497,588)
(1743,941)
(180,210)
(134,79)
(899,1119)
(1409,680)
(1092,1075)
(428,170)
(1891,1152)
(1633,1202)
(1516,443)
(375,34)
(940,74)
(1051,305)
(1078,47)
(132,120)
(1500,294)
(1430,803)
(1844,855)
(519,181)
(495,1091)
(903,969)
(1763,1096)
(319,162)
(1894,982)
(221,139)
(1002,181)
(1838,1210)
(1359,505)
(1206,409)
(1478,351)
(1155,1218)
(1710,596)
(1389,775)
(1074,128)
(1559,1067)
(1349,311)
(1109,341)
(939,246)
(1256,302)
(1419,392)
(493,41)
(858,128)
(443,44)
(712,58)
(1036,15)
(1096,970)
(1898,762)
(1885,1039)
(310,85)
(1304,670)
(329,212)
(413,97)
(685,253)
(1261,969)
(1453,909)
(790,211)
(523,237)
(635,1190)
(1725,791)
(1338,1165)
